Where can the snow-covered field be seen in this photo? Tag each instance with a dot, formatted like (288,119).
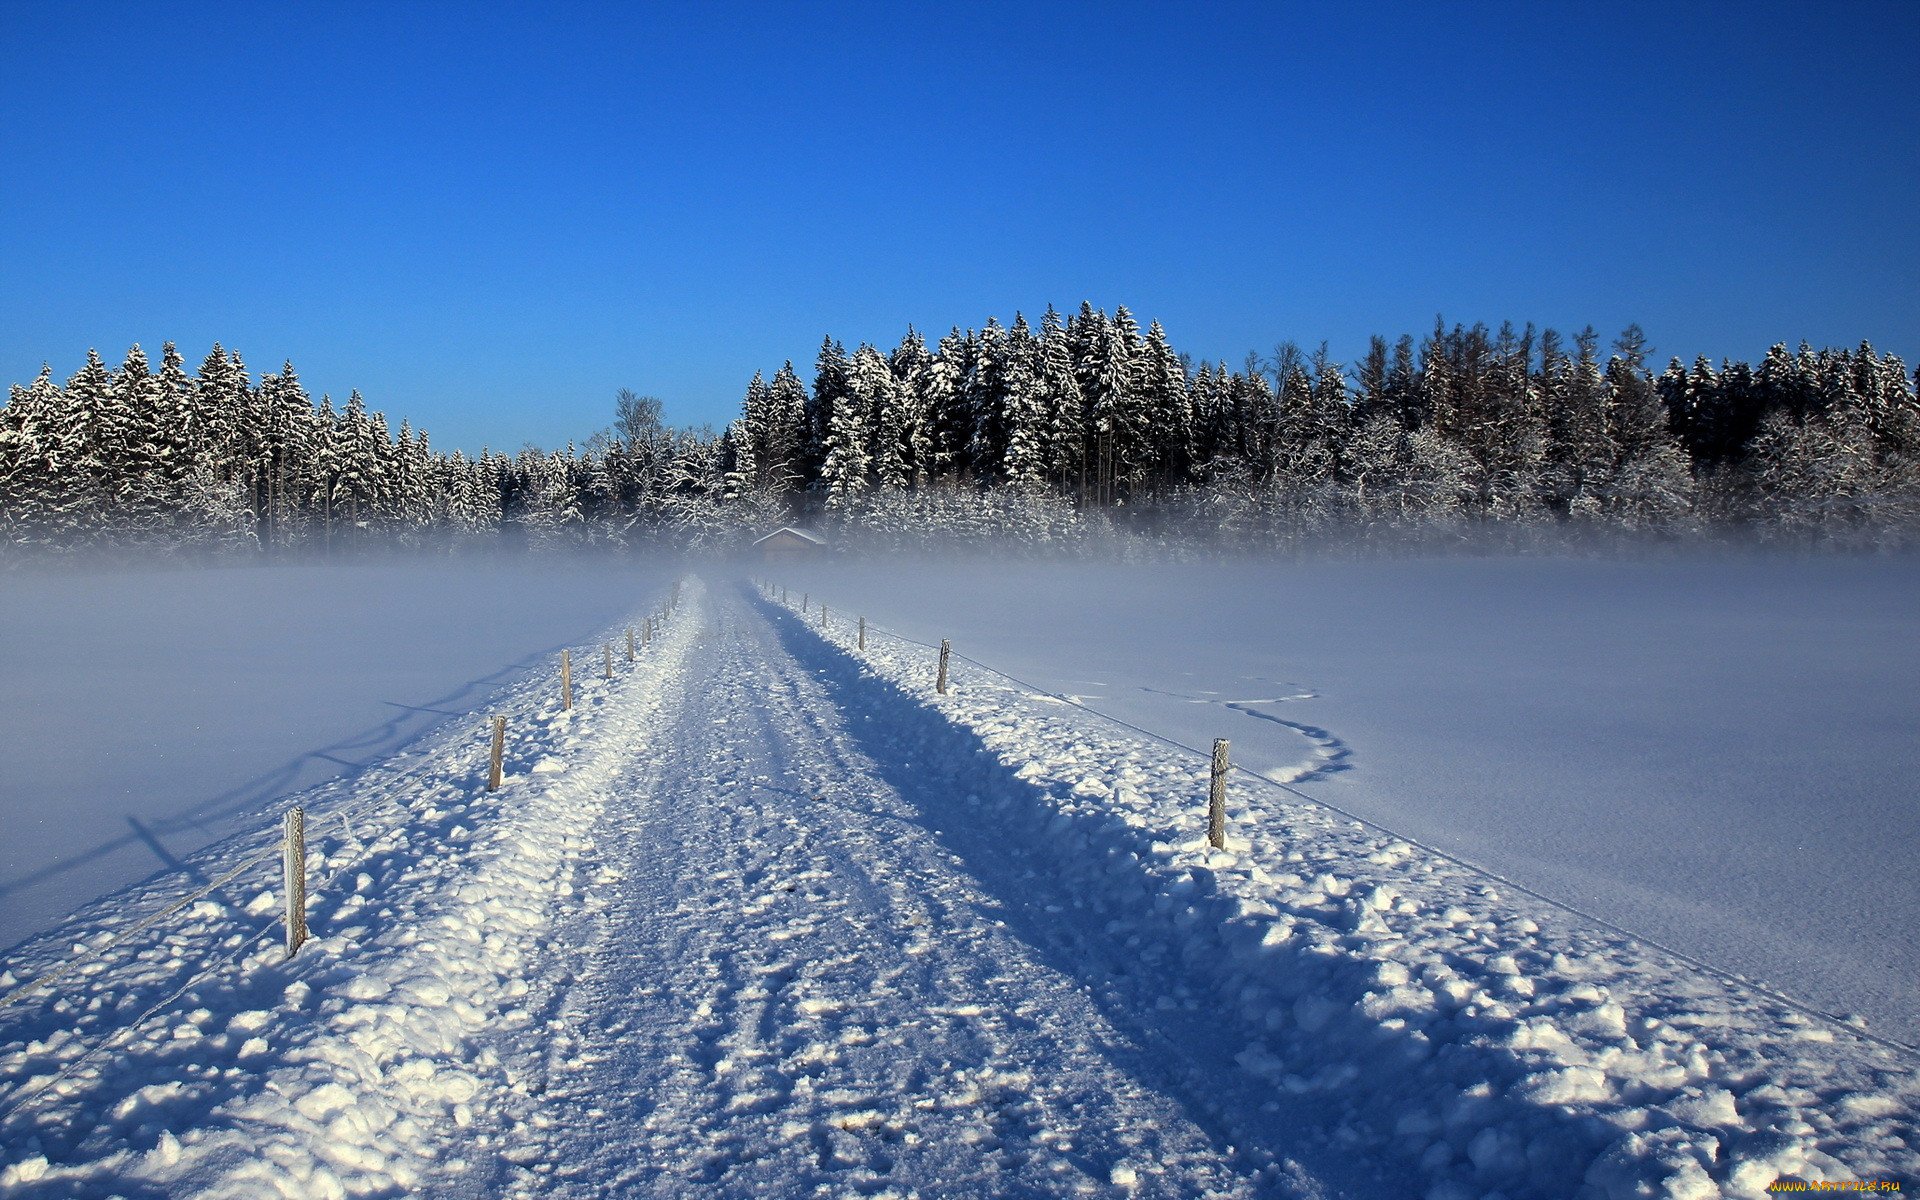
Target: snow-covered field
(764,916)
(146,713)
(1719,754)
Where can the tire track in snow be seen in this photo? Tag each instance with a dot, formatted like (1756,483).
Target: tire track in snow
(799,987)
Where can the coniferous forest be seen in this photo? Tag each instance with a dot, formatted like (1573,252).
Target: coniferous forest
(1075,432)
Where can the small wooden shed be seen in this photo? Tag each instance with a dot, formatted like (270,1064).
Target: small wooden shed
(787,543)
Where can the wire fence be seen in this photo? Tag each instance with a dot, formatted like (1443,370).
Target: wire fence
(944,651)
(388,796)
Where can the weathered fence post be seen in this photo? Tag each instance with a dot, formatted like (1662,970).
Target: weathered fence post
(607,654)
(783,593)
(940,683)
(629,643)
(676,596)
(863,633)
(1217,797)
(293,871)
(823,616)
(566,681)
(499,749)
(804,598)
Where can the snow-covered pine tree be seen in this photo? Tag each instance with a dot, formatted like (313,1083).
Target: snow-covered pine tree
(133,453)
(878,396)
(1305,450)
(945,399)
(1255,420)
(38,445)
(985,400)
(1167,407)
(412,483)
(356,471)
(1025,463)
(741,477)
(80,497)
(831,369)
(1580,452)
(1507,437)
(181,440)
(1066,407)
(912,366)
(784,459)
(1650,480)
(1116,411)
(287,428)
(746,439)
(844,472)
(1213,436)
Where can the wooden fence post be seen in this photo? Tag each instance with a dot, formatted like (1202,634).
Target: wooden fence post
(566,681)
(783,593)
(499,749)
(823,616)
(804,598)
(676,596)
(863,633)
(1217,797)
(607,654)
(629,643)
(940,683)
(293,871)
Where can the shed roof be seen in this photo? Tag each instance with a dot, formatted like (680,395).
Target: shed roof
(802,534)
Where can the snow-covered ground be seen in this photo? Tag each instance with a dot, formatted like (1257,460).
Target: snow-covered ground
(146,713)
(763,916)
(1719,754)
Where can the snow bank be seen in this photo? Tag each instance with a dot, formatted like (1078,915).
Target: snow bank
(1487,1043)
(147,713)
(1716,752)
(193,1058)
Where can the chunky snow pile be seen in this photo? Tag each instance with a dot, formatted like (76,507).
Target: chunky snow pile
(1396,1005)
(190,1056)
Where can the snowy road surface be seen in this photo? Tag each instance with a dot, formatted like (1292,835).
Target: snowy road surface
(763,917)
(804,980)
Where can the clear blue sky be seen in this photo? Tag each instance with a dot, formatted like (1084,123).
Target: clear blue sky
(490,218)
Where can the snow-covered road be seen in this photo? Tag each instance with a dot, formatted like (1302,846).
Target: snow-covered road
(763,916)
(813,979)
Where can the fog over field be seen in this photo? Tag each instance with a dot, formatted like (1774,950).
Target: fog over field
(147,712)
(1717,752)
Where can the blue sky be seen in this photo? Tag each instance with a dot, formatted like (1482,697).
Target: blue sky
(488,218)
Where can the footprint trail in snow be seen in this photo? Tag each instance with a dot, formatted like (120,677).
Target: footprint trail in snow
(798,988)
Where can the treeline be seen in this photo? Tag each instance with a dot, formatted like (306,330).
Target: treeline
(1080,427)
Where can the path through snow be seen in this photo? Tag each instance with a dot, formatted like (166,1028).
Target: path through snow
(811,982)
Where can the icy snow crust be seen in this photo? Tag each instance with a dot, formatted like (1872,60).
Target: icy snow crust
(765,916)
